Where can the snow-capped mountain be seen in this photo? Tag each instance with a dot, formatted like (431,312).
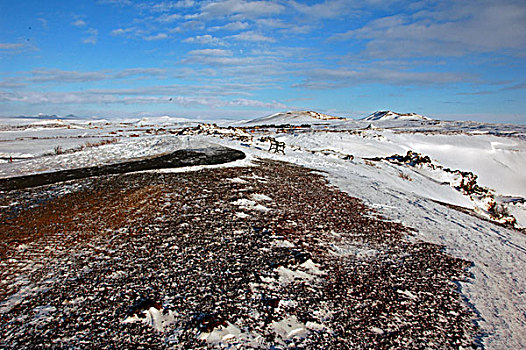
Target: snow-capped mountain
(390,115)
(295,117)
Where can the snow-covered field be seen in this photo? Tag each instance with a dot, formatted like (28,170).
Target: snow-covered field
(353,155)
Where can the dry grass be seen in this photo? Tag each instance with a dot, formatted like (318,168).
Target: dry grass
(100,143)
(370,163)
(404,176)
(59,150)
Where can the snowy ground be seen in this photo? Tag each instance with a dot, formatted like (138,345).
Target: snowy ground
(498,287)
(401,193)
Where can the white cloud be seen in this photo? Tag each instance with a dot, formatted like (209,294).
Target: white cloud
(255,103)
(304,29)
(452,29)
(63,76)
(11,46)
(167,18)
(92,36)
(153,72)
(122,31)
(327,78)
(218,103)
(89,97)
(44,22)
(241,9)
(204,39)
(166,6)
(218,60)
(258,69)
(11,83)
(210,52)
(33,97)
(253,36)
(115,2)
(272,23)
(16,48)
(286,27)
(518,86)
(159,36)
(218,89)
(193,25)
(79,23)
(324,10)
(232,26)
(92,33)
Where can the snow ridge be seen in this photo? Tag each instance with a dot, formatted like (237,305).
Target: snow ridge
(390,115)
(294,117)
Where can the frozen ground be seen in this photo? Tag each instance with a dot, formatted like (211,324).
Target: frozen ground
(264,255)
(415,196)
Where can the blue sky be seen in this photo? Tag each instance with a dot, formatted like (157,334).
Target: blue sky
(240,58)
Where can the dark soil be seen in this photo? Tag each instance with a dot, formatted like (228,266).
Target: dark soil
(111,247)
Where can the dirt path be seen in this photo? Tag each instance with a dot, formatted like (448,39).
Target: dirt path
(253,257)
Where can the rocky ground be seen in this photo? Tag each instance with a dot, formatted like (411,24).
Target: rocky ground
(268,256)
(177,159)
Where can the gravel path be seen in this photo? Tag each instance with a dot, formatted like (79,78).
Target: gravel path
(268,256)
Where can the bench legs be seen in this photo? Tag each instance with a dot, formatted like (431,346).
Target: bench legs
(277,146)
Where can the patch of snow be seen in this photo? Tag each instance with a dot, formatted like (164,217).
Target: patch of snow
(15,299)
(77,300)
(306,271)
(242,215)
(311,267)
(518,210)
(287,276)
(283,244)
(359,252)
(289,328)
(377,330)
(294,117)
(260,197)
(237,180)
(407,294)
(43,314)
(157,319)
(389,115)
(261,208)
(248,204)
(231,337)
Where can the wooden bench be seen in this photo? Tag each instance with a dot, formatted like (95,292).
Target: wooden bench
(275,145)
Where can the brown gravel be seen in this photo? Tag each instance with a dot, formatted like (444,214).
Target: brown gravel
(90,253)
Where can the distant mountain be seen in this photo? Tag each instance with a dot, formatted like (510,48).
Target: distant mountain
(294,117)
(54,116)
(43,116)
(390,115)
